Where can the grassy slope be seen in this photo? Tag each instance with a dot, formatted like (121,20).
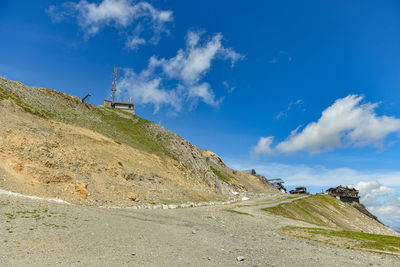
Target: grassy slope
(117,125)
(320,210)
(327,211)
(348,239)
(221,175)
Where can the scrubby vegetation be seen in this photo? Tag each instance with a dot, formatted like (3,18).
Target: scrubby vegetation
(221,175)
(117,125)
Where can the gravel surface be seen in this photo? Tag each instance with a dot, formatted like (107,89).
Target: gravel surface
(43,233)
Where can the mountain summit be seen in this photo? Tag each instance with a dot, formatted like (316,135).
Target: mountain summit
(53,145)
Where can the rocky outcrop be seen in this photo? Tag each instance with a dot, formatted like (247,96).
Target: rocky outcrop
(364,210)
(212,157)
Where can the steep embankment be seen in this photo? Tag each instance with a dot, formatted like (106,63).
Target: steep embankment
(327,211)
(52,145)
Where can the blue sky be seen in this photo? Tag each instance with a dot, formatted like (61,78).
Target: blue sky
(235,77)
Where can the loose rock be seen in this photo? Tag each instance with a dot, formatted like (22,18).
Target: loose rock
(240,258)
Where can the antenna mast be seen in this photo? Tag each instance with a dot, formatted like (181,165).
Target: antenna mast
(114,85)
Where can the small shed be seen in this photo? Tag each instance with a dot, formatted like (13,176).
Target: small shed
(125,106)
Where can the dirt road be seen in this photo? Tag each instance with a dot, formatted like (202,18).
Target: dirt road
(42,233)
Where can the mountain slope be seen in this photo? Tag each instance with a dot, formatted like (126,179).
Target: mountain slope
(53,145)
(327,211)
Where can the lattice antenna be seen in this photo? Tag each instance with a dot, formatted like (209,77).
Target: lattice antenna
(114,85)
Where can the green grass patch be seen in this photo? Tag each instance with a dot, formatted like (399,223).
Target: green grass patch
(221,175)
(310,209)
(8,95)
(2,94)
(131,130)
(320,210)
(349,239)
(122,127)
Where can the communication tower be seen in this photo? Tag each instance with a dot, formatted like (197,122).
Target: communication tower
(114,86)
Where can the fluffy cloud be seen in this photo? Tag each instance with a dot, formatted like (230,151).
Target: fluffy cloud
(134,42)
(389,211)
(371,191)
(347,122)
(177,80)
(116,13)
(380,201)
(264,145)
(146,89)
(191,64)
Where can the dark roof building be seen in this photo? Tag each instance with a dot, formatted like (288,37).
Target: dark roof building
(299,190)
(345,194)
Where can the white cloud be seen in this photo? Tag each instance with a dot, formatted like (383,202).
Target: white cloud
(192,63)
(116,13)
(263,146)
(134,42)
(371,191)
(203,92)
(291,105)
(145,89)
(346,123)
(389,211)
(380,201)
(229,87)
(177,80)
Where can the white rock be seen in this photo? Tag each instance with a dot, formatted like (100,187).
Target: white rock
(171,206)
(164,207)
(240,258)
(245,198)
(235,193)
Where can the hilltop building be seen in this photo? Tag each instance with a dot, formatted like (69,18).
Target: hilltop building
(125,106)
(299,190)
(345,194)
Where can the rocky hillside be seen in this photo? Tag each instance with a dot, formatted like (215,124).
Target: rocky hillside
(53,145)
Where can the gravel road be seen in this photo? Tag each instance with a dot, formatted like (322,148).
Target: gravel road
(42,233)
